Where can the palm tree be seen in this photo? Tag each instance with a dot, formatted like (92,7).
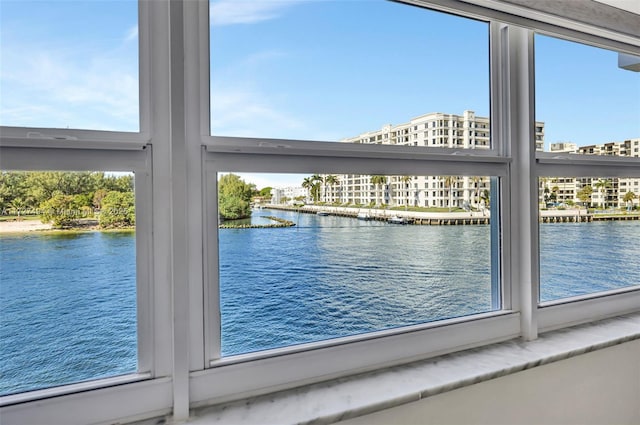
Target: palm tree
(378,181)
(476,181)
(545,189)
(308,183)
(18,204)
(628,198)
(405,180)
(449,182)
(330,181)
(602,186)
(316,189)
(485,197)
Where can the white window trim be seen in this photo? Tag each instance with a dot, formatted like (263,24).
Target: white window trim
(276,370)
(139,162)
(233,154)
(106,400)
(42,137)
(174,63)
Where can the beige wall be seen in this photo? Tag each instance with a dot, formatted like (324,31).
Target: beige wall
(602,387)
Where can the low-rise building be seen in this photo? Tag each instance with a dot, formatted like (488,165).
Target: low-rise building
(287,195)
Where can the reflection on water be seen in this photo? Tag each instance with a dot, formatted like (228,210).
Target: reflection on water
(331,276)
(68,301)
(68,308)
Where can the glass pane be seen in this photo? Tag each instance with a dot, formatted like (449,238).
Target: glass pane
(364,72)
(67,278)
(588,98)
(69,64)
(327,256)
(589,233)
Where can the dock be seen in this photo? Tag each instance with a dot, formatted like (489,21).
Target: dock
(452,218)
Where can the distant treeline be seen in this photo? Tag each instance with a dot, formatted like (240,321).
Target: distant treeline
(62,198)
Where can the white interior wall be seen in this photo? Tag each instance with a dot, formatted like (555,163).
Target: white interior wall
(601,387)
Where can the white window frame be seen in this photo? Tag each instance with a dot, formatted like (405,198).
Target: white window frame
(289,366)
(174,120)
(44,137)
(570,311)
(138,162)
(336,357)
(512,121)
(579,309)
(146,153)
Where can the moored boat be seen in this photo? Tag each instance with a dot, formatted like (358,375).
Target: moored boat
(397,220)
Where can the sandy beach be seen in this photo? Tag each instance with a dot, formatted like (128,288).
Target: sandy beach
(23,226)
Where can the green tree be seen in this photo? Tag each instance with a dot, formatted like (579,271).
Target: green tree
(449,183)
(17,205)
(331,180)
(486,197)
(307,183)
(584,194)
(379,181)
(406,187)
(265,192)
(118,210)
(98,196)
(316,188)
(42,185)
(476,180)
(234,197)
(602,186)
(628,198)
(12,186)
(60,210)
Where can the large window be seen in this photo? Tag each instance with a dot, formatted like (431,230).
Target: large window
(68,296)
(476,190)
(318,272)
(352,254)
(588,224)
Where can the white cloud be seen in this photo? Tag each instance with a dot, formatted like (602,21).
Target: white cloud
(231,12)
(132,34)
(240,112)
(61,87)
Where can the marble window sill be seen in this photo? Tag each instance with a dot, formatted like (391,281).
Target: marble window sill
(350,397)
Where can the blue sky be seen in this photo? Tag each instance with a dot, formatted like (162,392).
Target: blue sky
(69,64)
(581,94)
(324,70)
(306,69)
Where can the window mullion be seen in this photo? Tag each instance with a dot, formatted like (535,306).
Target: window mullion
(524,225)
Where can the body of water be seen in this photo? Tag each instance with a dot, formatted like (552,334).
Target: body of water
(68,302)
(67,308)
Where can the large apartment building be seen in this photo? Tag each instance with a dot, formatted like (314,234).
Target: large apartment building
(435,130)
(600,192)
(468,131)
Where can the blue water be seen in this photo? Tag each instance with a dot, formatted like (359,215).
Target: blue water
(67,309)
(329,277)
(68,302)
(583,258)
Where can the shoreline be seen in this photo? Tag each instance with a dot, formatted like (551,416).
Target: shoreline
(26,227)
